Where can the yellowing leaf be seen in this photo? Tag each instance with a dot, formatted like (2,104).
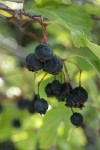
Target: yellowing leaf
(5,13)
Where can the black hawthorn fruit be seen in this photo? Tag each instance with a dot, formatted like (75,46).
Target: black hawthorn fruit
(40,105)
(31,105)
(22,103)
(56,87)
(77,98)
(7,145)
(16,123)
(53,66)
(32,64)
(43,52)
(1,107)
(77,119)
(49,90)
(74,101)
(66,89)
(81,93)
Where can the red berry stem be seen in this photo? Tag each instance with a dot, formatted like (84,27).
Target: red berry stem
(41,81)
(44,33)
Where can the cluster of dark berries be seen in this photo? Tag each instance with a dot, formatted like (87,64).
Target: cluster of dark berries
(43,58)
(75,98)
(60,91)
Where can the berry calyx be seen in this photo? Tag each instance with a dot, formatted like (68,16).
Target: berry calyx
(77,119)
(77,98)
(43,52)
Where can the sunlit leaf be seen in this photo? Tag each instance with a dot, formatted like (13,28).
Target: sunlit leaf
(5,13)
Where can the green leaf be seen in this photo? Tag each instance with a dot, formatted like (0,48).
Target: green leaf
(94,63)
(51,122)
(93,9)
(73,18)
(48,2)
(5,13)
(94,48)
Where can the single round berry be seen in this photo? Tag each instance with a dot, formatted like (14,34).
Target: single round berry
(1,108)
(74,101)
(49,90)
(16,123)
(53,66)
(43,52)
(7,145)
(40,105)
(77,98)
(22,103)
(66,89)
(32,64)
(56,87)
(81,93)
(77,119)
(31,105)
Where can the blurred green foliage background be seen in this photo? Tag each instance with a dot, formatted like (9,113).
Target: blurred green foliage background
(69,31)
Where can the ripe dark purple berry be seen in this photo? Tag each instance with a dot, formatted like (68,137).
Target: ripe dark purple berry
(31,105)
(7,145)
(81,93)
(40,105)
(53,66)
(74,101)
(43,52)
(22,103)
(1,108)
(16,123)
(77,119)
(49,90)
(66,89)
(56,87)
(32,64)
(77,98)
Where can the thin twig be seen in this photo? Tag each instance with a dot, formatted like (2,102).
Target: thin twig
(41,81)
(28,33)
(20,13)
(95,17)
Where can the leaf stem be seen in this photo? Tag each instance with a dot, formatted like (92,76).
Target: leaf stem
(77,67)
